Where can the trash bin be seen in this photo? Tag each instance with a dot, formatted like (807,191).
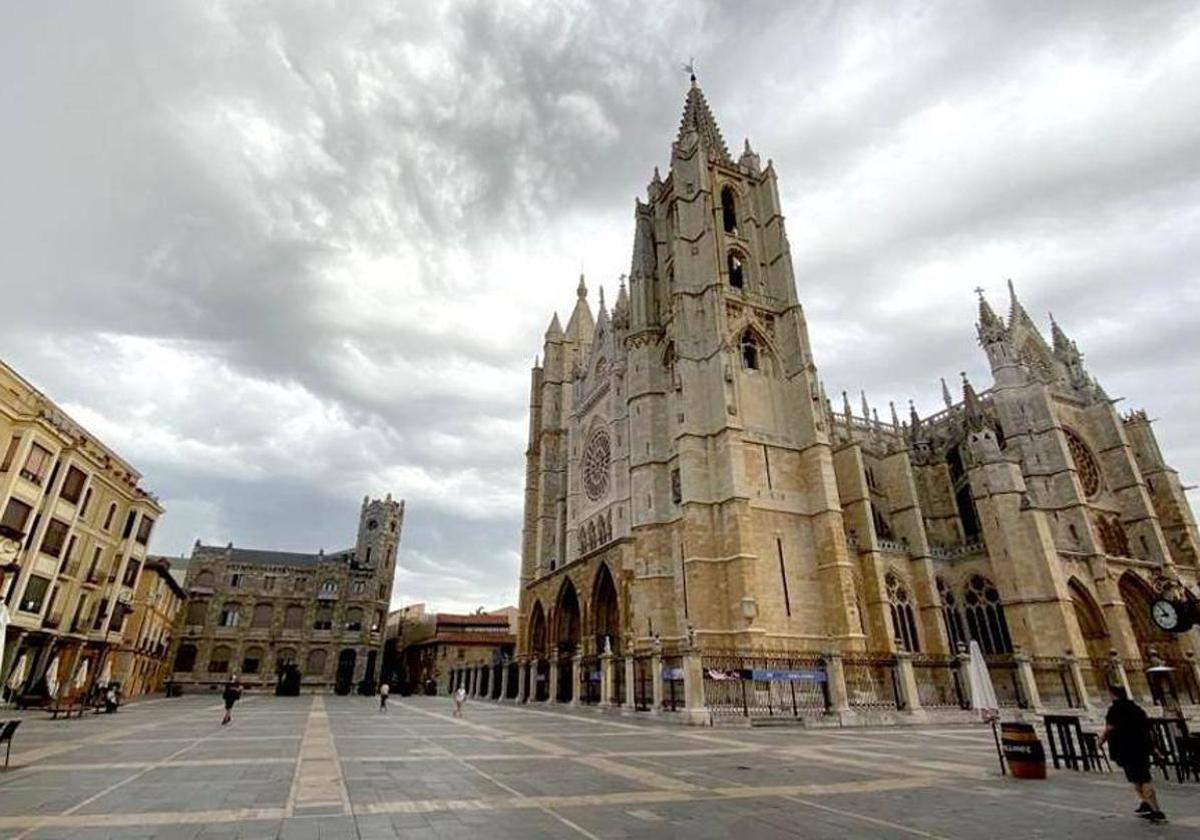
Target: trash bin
(1023,751)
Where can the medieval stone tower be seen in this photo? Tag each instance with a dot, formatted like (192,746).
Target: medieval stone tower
(686,477)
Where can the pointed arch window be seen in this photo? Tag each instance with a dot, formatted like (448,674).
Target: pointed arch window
(904,623)
(955,632)
(735,264)
(751,352)
(729,210)
(985,616)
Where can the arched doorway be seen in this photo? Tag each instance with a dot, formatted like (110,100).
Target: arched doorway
(606,611)
(1092,626)
(1165,687)
(537,648)
(567,623)
(345,671)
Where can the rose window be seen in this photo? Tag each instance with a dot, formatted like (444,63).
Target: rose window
(1085,464)
(596,461)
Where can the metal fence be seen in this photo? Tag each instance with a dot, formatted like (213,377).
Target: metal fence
(565,688)
(1007,682)
(541,681)
(618,686)
(871,682)
(1056,688)
(939,682)
(643,683)
(514,680)
(589,680)
(672,677)
(764,685)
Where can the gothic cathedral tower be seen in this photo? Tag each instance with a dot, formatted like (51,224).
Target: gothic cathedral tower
(679,456)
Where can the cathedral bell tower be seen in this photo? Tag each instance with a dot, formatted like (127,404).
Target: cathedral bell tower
(379,525)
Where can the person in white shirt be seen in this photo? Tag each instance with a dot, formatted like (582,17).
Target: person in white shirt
(384,690)
(460,697)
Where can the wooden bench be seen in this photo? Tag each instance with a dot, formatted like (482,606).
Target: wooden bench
(65,709)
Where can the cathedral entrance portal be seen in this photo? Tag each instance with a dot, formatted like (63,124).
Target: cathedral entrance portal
(567,636)
(606,612)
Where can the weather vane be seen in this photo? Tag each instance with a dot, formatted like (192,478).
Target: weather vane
(690,67)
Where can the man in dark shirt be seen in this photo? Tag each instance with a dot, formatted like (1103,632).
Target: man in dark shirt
(1128,735)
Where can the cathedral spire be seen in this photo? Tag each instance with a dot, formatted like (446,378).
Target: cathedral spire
(555,329)
(866,407)
(1016,312)
(698,118)
(895,417)
(989,326)
(1062,344)
(581,290)
(975,418)
(946,398)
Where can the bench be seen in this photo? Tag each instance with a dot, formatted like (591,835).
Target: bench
(65,709)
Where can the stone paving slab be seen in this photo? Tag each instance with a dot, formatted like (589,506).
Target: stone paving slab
(335,768)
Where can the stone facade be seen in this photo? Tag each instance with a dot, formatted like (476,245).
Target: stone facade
(252,612)
(75,525)
(457,643)
(141,663)
(689,484)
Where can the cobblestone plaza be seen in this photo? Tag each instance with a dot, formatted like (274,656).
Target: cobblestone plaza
(334,767)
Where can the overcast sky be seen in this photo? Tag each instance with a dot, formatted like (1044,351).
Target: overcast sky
(282,255)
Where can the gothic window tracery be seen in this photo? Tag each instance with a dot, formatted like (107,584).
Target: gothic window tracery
(904,623)
(735,263)
(1112,535)
(985,616)
(1085,464)
(596,463)
(952,618)
(729,210)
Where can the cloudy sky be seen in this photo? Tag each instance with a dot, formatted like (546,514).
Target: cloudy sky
(281,255)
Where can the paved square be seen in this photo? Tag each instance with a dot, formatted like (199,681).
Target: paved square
(335,767)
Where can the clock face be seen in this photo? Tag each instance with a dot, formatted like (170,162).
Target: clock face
(1165,615)
(372,524)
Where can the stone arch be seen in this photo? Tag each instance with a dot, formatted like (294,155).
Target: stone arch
(755,350)
(537,630)
(606,609)
(1090,618)
(314,664)
(568,619)
(1138,595)
(252,660)
(737,267)
(729,213)
(185,659)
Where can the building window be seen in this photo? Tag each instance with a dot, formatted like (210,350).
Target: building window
(16,514)
(268,583)
(951,616)
(36,464)
(55,539)
(252,660)
(263,613)
(197,612)
(676,486)
(97,555)
(324,619)
(293,617)
(101,614)
(729,211)
(354,619)
(235,580)
(985,616)
(205,578)
(750,353)
(229,614)
(131,573)
(87,500)
(10,453)
(737,271)
(129,520)
(72,487)
(315,664)
(143,531)
(904,623)
(329,587)
(108,517)
(35,594)
(185,659)
(218,662)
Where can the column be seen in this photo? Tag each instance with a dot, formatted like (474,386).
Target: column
(1076,671)
(552,696)
(504,669)
(695,713)
(576,663)
(630,688)
(835,674)
(1033,699)
(656,679)
(906,679)
(607,683)
(522,673)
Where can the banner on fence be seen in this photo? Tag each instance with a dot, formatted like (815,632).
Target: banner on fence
(816,675)
(670,674)
(593,676)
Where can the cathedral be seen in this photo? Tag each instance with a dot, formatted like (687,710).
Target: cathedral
(688,482)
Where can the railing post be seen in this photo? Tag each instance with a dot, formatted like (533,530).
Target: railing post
(607,683)
(964,679)
(835,674)
(1076,671)
(522,681)
(695,713)
(656,679)
(906,678)
(1033,699)
(576,667)
(552,697)
(630,688)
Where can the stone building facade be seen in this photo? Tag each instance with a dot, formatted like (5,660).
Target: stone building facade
(75,525)
(140,661)
(252,612)
(457,642)
(688,483)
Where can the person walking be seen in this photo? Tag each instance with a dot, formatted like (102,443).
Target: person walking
(460,697)
(384,690)
(232,693)
(1127,732)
